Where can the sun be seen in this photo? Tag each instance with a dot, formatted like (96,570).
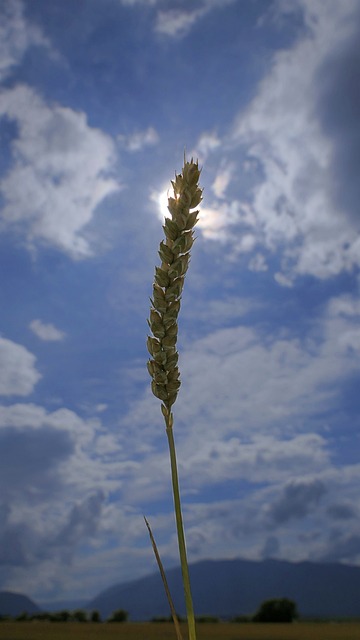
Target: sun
(160,199)
(163,204)
(209,219)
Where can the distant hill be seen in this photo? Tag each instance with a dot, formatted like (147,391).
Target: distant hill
(13,604)
(227,588)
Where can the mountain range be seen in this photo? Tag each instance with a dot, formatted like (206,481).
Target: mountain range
(14,604)
(224,588)
(228,588)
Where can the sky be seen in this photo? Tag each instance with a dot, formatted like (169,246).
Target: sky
(98,101)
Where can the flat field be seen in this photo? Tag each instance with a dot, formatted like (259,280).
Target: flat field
(165,631)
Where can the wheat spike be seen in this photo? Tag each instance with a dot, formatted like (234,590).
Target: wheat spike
(169,281)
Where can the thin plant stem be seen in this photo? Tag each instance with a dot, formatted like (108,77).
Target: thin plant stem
(181,535)
(165,582)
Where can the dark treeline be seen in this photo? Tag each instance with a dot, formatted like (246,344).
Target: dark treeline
(276,610)
(79,615)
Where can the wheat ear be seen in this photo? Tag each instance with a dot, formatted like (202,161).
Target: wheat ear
(165,306)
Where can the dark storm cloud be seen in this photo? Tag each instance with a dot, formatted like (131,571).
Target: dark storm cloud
(338,106)
(14,548)
(20,545)
(296,501)
(342,548)
(29,459)
(13,545)
(30,473)
(82,522)
(4,514)
(340,512)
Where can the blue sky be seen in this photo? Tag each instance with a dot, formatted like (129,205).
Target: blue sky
(98,100)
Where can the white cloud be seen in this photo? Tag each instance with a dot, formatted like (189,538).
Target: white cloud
(250,405)
(140,139)
(258,263)
(16,36)
(222,181)
(250,385)
(47,332)
(302,202)
(293,206)
(265,459)
(247,411)
(33,416)
(60,172)
(213,313)
(56,470)
(216,219)
(178,22)
(344,305)
(283,280)
(253,382)
(207,143)
(101,407)
(18,374)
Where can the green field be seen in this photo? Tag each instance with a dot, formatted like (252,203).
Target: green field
(165,631)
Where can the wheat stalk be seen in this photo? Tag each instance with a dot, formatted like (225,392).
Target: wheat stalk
(165,306)
(165,582)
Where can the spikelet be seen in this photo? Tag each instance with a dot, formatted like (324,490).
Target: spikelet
(169,281)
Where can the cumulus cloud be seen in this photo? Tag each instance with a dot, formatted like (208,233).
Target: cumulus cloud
(18,373)
(177,23)
(42,473)
(345,306)
(207,143)
(245,414)
(244,526)
(54,483)
(217,219)
(258,263)
(25,545)
(222,181)
(251,406)
(263,459)
(222,311)
(16,36)
(47,332)
(263,381)
(52,522)
(60,172)
(140,139)
(302,132)
(297,151)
